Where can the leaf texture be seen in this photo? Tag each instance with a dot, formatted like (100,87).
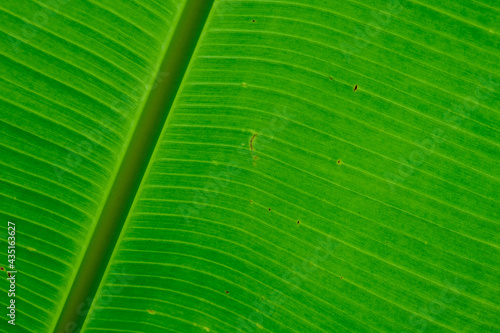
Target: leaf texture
(327,166)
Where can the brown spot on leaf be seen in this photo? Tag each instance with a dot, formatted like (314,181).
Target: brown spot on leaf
(355,87)
(339,162)
(251,141)
(255,159)
(151,311)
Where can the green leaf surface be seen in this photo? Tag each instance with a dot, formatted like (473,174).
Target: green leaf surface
(325,166)
(74,77)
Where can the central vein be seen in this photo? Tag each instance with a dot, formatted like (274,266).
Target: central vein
(134,164)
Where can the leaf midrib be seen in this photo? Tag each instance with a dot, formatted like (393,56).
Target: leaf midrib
(130,171)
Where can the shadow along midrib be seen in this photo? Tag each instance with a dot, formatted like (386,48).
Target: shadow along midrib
(134,164)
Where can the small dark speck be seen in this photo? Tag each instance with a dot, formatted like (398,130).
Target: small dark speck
(269,209)
(298,222)
(2,269)
(253,21)
(339,162)
(8,274)
(331,77)
(227,292)
(341,278)
(355,87)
